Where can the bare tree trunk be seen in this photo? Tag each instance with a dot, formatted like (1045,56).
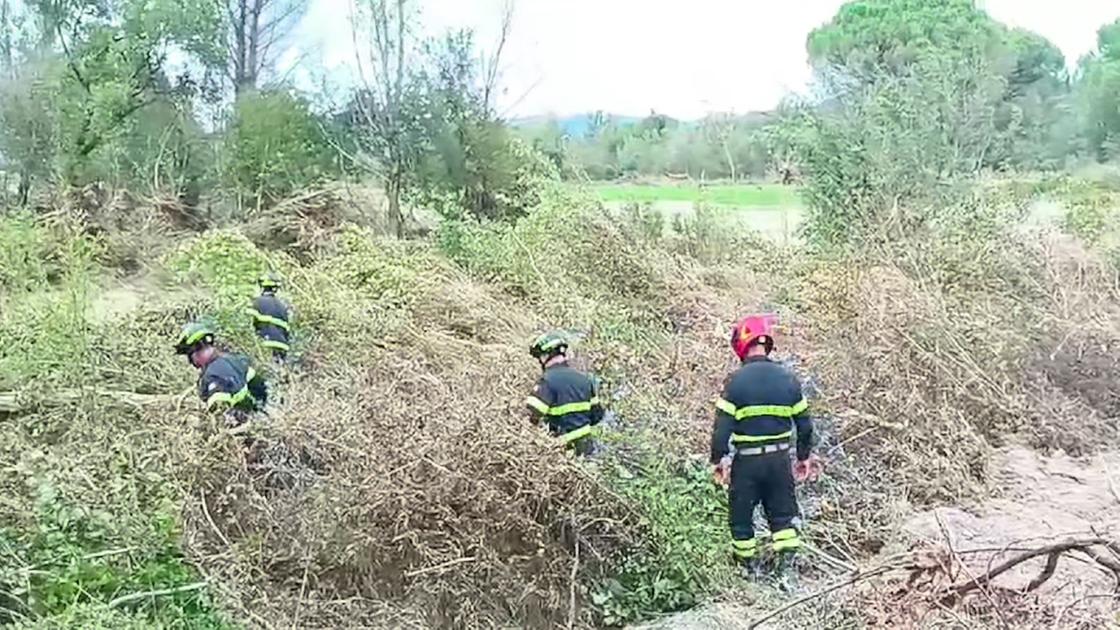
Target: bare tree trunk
(257,36)
(393,190)
(254,43)
(493,64)
(730,160)
(6,39)
(238,50)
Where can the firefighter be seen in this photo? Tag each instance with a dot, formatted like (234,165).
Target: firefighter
(226,382)
(271,316)
(564,397)
(761,406)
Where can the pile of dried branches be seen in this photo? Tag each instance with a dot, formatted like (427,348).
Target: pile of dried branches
(931,359)
(916,588)
(308,219)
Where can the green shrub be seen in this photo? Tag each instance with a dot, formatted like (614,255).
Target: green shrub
(686,552)
(275,145)
(72,569)
(45,334)
(227,265)
(569,246)
(23,253)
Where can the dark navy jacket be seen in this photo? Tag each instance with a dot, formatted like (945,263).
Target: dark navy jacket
(271,320)
(761,404)
(567,399)
(230,382)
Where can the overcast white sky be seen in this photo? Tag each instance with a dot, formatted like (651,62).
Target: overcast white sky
(683,58)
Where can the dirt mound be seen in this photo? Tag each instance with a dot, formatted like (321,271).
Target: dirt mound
(310,219)
(1038,497)
(1040,501)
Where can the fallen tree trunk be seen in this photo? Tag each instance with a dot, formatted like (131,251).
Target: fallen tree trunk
(1053,553)
(1103,550)
(14,402)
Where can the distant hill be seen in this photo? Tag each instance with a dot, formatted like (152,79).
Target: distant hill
(576,125)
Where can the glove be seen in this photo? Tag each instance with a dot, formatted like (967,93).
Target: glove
(807,469)
(721,472)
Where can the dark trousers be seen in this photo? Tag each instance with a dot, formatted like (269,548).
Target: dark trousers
(585,446)
(765,479)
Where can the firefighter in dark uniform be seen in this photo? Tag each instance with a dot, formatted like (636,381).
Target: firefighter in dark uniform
(761,406)
(226,382)
(271,317)
(564,397)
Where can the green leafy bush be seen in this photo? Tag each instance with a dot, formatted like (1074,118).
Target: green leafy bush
(44,334)
(685,557)
(71,571)
(226,265)
(23,254)
(275,145)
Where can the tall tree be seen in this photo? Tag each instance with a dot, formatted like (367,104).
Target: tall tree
(873,36)
(258,34)
(95,66)
(385,45)
(1097,89)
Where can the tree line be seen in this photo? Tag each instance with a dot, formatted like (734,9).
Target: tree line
(182,98)
(173,98)
(1027,108)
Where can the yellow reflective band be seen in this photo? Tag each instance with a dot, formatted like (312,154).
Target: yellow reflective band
(275,345)
(217,398)
(250,374)
(744,548)
(786,545)
(267,319)
(595,401)
(537,404)
(784,534)
(800,407)
(738,438)
(785,539)
(572,436)
(229,399)
(575,407)
(754,411)
(725,407)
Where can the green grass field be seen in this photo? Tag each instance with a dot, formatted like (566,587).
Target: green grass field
(734,195)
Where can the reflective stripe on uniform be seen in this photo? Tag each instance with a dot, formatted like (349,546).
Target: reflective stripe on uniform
(275,345)
(754,411)
(785,539)
(576,407)
(744,548)
(268,319)
(572,436)
(537,404)
(738,438)
(560,410)
(227,398)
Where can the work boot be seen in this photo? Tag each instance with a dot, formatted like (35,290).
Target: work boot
(749,569)
(785,577)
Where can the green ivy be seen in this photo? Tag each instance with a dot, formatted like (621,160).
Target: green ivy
(685,557)
(73,570)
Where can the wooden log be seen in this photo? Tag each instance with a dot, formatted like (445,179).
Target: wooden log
(14,402)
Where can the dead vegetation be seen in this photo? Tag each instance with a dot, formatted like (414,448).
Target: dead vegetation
(396,483)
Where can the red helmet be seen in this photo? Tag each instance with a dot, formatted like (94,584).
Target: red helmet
(750,330)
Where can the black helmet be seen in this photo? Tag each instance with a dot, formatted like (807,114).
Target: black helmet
(270,280)
(193,335)
(550,343)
